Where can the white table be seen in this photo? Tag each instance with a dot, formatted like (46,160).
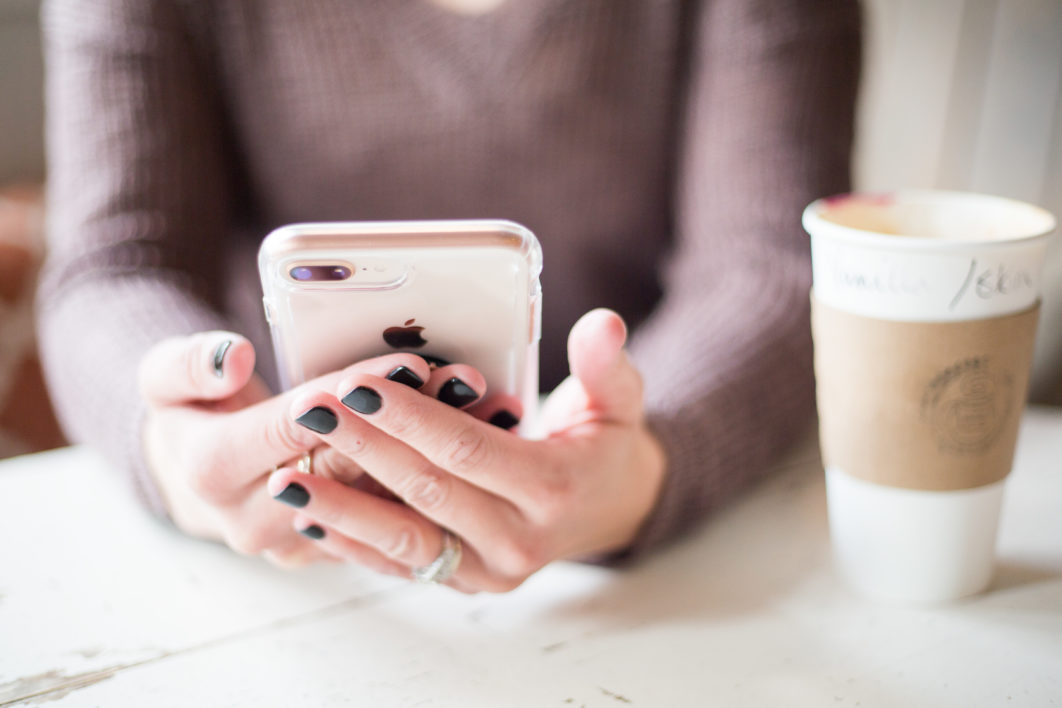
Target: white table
(102,606)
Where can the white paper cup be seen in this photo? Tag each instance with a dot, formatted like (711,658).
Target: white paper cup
(921,256)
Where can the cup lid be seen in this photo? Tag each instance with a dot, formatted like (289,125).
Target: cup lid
(927,219)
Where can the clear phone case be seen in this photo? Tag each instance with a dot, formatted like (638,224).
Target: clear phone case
(453,291)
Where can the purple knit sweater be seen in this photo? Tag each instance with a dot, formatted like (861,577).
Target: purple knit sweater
(661,150)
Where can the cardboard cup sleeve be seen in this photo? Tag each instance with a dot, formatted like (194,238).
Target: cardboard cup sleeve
(921,405)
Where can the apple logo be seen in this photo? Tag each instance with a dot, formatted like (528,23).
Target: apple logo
(406,337)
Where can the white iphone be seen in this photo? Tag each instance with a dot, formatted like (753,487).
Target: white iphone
(451,291)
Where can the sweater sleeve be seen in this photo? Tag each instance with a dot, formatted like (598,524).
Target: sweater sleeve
(726,355)
(138,197)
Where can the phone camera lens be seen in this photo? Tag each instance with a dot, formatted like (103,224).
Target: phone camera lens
(319,273)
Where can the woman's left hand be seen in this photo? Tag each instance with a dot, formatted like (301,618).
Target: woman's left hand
(516,504)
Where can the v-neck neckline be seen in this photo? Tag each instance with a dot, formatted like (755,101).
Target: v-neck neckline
(459,59)
(468,12)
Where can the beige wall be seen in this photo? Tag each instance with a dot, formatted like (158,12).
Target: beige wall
(967,94)
(21,69)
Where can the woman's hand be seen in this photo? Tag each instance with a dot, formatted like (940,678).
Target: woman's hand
(213,432)
(516,504)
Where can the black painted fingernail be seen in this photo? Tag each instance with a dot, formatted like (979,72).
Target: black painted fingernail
(457,393)
(318,419)
(314,531)
(219,357)
(294,495)
(504,420)
(363,400)
(405,375)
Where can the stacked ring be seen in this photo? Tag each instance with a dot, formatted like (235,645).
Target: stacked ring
(445,564)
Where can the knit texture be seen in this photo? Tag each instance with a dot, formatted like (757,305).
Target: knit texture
(662,152)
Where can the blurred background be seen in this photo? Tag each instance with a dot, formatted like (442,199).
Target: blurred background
(957,94)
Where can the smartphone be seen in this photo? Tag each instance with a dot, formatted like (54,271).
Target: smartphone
(451,291)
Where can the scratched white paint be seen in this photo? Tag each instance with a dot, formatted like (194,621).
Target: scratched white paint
(88,580)
(747,612)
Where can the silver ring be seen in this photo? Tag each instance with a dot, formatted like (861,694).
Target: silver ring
(445,564)
(304,464)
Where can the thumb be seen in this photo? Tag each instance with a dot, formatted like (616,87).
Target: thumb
(207,366)
(597,360)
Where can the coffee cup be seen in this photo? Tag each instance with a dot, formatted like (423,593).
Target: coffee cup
(924,315)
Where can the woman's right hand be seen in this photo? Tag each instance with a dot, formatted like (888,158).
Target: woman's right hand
(213,433)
